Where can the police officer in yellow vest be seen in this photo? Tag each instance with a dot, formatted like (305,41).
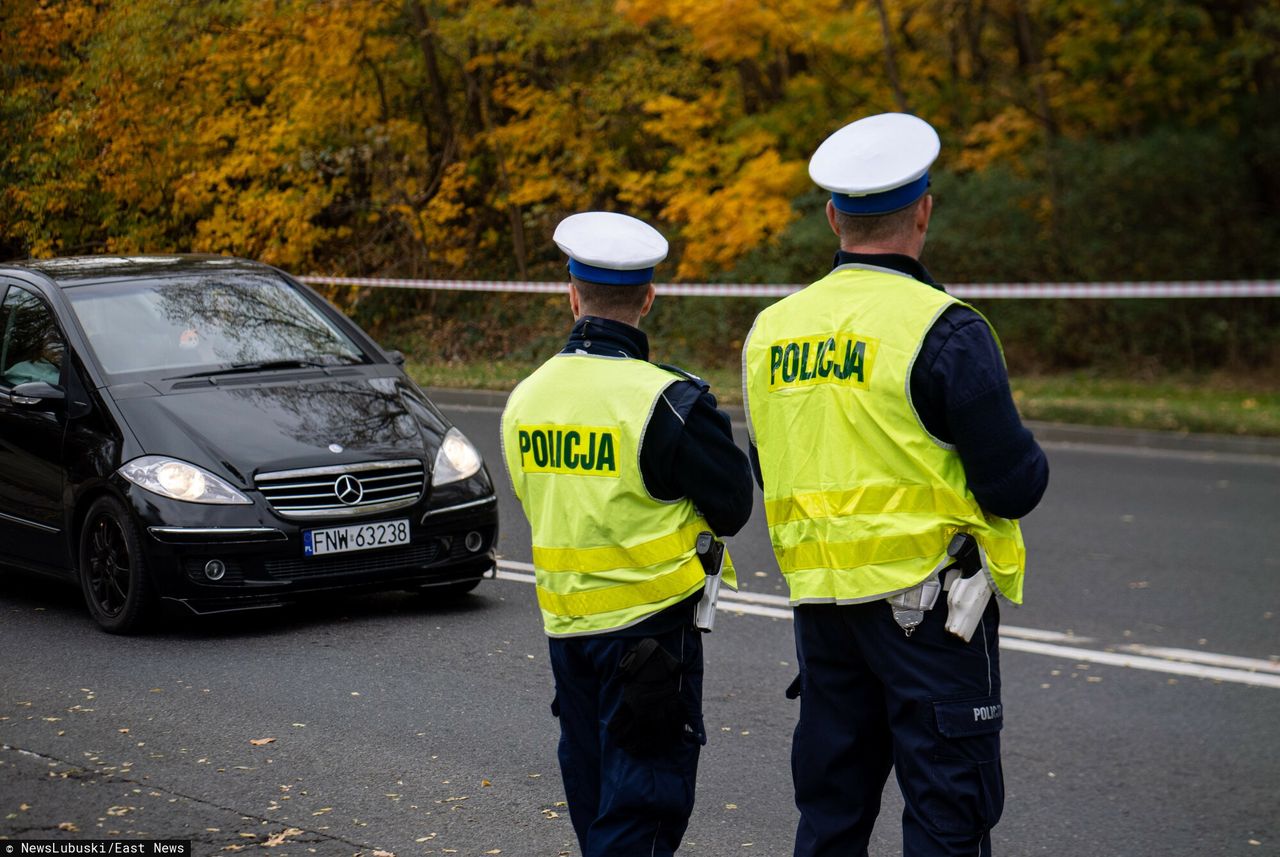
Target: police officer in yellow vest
(894,467)
(620,465)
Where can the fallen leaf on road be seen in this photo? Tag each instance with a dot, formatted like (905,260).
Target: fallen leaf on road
(69,827)
(258,742)
(279,838)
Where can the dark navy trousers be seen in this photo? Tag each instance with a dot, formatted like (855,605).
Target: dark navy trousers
(622,805)
(927,706)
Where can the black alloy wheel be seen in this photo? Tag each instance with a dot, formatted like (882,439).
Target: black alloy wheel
(113,574)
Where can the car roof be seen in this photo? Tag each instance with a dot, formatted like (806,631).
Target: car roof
(82,270)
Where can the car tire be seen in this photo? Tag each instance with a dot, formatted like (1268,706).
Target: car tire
(113,573)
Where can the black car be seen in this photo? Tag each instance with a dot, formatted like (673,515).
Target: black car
(208,432)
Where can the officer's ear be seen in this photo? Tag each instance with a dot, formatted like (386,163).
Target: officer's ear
(924,210)
(648,300)
(831,218)
(575,302)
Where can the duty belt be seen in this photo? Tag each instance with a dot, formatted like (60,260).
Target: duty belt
(962,560)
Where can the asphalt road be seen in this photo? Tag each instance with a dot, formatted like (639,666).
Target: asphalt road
(1141,685)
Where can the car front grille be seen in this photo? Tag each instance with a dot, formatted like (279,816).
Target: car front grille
(343,490)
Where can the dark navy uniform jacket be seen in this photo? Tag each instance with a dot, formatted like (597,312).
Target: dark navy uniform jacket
(687,451)
(960,389)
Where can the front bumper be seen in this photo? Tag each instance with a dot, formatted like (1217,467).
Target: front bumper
(263,563)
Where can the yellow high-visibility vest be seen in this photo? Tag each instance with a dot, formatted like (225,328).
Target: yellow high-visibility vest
(860,499)
(606,553)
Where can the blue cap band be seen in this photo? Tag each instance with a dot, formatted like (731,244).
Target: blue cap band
(609,276)
(882,203)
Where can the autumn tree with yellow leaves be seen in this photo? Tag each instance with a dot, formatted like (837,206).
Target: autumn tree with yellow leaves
(1083,139)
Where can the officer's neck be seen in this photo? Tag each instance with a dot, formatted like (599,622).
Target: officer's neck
(902,247)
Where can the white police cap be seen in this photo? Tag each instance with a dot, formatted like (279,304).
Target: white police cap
(610,248)
(878,164)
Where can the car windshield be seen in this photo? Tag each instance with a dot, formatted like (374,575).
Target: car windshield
(207,323)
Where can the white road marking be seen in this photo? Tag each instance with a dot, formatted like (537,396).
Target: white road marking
(1185,662)
(1194,657)
(1139,662)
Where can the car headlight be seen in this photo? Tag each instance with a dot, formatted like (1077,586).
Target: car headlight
(457,459)
(179,480)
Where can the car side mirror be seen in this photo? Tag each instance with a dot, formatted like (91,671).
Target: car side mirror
(397,357)
(37,395)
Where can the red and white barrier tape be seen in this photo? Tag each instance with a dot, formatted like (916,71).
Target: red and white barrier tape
(1172,289)
(1182,289)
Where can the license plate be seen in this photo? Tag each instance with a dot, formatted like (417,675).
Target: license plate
(358,537)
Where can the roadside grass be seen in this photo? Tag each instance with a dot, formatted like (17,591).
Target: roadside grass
(480,375)
(1216,404)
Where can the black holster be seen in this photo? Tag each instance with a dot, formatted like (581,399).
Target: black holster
(651,718)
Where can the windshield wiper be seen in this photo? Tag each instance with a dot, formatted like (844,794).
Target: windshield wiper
(253,366)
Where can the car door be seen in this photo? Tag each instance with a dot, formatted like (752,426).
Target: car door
(31,470)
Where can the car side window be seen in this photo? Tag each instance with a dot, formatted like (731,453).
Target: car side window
(31,348)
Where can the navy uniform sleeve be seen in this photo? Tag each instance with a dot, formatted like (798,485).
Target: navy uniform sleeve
(688,451)
(960,389)
(755,466)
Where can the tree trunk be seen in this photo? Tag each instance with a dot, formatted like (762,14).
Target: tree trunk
(514,213)
(438,112)
(1031,61)
(890,59)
